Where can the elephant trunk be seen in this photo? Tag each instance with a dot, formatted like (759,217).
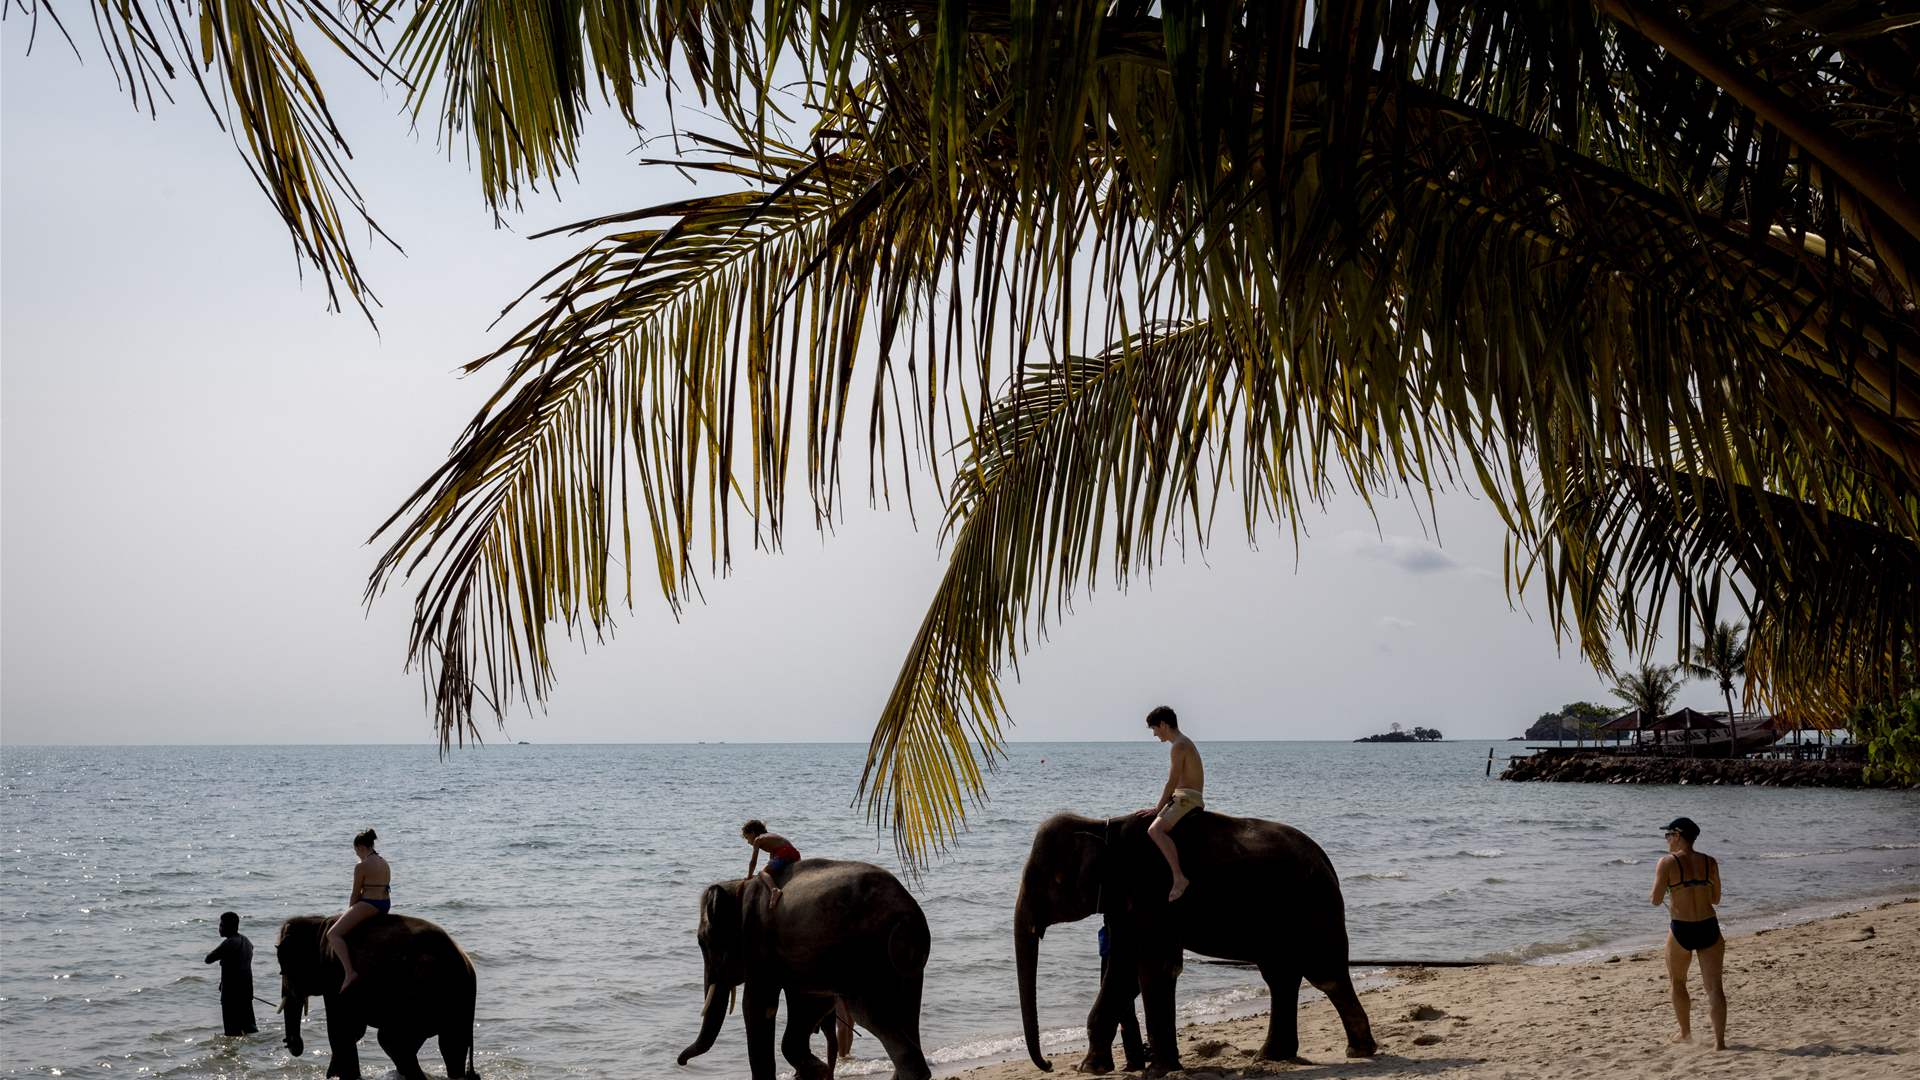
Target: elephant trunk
(290,1009)
(711,1017)
(1026,955)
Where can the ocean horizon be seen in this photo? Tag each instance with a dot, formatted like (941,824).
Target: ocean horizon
(571,873)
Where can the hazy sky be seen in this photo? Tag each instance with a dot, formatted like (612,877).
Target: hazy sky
(195,451)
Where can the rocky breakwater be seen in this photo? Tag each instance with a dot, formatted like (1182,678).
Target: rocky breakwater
(1633,769)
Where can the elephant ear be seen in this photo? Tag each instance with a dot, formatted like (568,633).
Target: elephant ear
(721,925)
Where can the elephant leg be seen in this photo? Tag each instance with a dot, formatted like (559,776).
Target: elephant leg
(895,1020)
(344,1032)
(1134,1048)
(403,1046)
(1283,1025)
(759,1006)
(1118,986)
(804,1014)
(1156,992)
(456,1049)
(1339,990)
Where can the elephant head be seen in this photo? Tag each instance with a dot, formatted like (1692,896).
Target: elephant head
(1062,883)
(723,949)
(301,950)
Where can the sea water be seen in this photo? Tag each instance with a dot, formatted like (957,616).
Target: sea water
(571,875)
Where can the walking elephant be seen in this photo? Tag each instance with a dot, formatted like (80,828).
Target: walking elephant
(1261,892)
(415,983)
(841,929)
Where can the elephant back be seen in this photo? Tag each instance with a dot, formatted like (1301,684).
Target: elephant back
(392,950)
(1256,853)
(852,900)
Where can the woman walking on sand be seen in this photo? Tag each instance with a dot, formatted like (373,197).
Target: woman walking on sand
(372,895)
(1690,884)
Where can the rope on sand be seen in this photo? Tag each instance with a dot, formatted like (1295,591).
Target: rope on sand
(1376,963)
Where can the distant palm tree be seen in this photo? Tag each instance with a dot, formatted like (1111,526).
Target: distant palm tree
(1651,688)
(1722,655)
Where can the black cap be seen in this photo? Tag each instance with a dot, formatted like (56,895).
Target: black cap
(1684,826)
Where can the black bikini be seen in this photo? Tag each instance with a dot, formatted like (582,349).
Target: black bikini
(1702,933)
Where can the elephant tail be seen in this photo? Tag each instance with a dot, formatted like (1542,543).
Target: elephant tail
(909,945)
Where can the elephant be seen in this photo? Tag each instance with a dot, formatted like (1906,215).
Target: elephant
(415,983)
(1262,892)
(841,929)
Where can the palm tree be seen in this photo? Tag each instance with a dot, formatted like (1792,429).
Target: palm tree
(1647,276)
(1650,688)
(1721,654)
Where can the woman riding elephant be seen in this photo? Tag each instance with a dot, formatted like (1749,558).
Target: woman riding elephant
(842,929)
(415,983)
(1262,892)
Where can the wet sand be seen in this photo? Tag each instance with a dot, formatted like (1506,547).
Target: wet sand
(1836,997)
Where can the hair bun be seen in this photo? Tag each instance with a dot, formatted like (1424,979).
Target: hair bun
(371,835)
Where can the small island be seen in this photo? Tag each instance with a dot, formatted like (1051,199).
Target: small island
(1395,734)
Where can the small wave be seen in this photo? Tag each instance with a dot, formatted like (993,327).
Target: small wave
(1540,950)
(1894,847)
(1385,875)
(1493,881)
(1800,854)
(1622,861)
(1483,853)
(987,1049)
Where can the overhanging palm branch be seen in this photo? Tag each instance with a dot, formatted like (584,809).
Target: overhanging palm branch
(1543,242)
(246,60)
(1832,598)
(1438,258)
(661,356)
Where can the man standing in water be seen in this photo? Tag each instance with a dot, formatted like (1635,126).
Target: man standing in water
(235,955)
(1186,778)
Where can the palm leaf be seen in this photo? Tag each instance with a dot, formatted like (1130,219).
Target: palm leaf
(660,355)
(246,60)
(1398,242)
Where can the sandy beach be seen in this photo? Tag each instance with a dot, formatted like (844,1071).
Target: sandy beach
(1836,997)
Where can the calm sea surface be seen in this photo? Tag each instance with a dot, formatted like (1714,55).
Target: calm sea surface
(572,874)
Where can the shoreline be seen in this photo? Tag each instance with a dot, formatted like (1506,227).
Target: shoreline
(1816,992)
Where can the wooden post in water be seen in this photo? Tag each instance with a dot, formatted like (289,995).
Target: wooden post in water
(1489,762)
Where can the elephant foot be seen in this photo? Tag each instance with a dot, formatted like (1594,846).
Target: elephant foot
(1362,1049)
(1135,1065)
(1159,1069)
(1095,1064)
(1278,1052)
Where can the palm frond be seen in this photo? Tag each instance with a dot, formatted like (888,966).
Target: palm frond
(661,357)
(1832,600)
(1082,454)
(246,59)
(1378,244)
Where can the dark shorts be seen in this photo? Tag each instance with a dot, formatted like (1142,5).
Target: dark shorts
(1694,936)
(381,906)
(777,864)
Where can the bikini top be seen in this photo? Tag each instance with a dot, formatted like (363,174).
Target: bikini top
(1706,872)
